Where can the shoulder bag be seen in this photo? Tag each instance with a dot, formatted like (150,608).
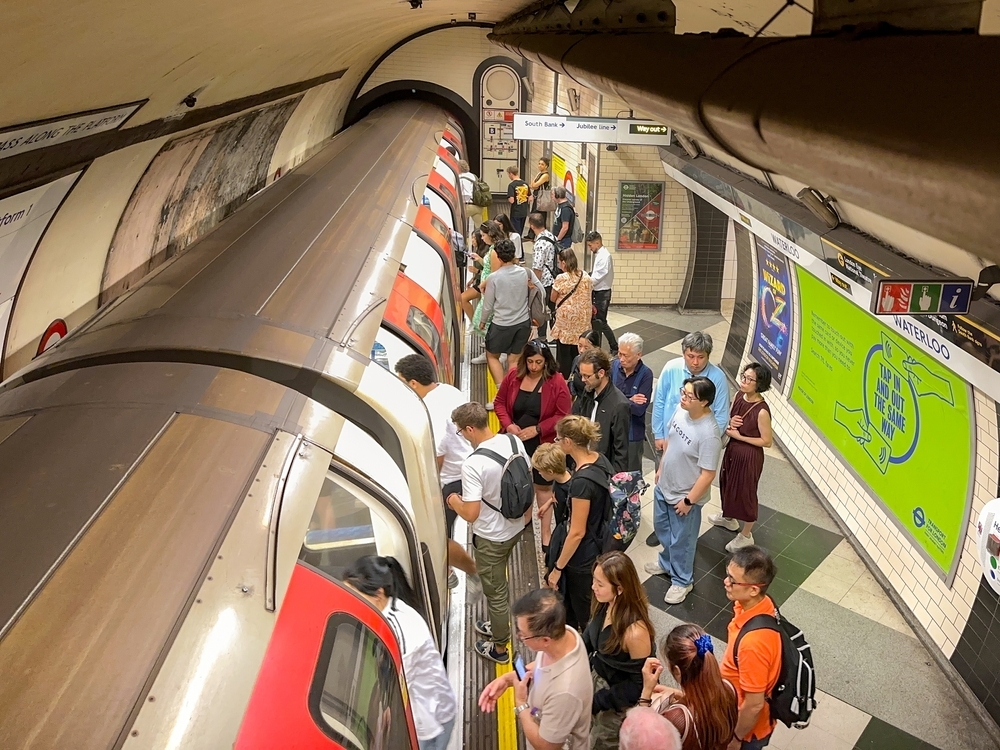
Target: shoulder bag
(562,302)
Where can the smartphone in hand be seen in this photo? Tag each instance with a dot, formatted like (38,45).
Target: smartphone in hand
(519,666)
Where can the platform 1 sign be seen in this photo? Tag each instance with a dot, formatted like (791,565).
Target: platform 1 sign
(901,297)
(528,127)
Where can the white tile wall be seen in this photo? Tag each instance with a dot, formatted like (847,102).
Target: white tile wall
(942,611)
(448,57)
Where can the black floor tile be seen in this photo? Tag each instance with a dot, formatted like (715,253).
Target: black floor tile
(791,571)
(774,541)
(692,609)
(785,523)
(719,627)
(656,587)
(711,587)
(707,558)
(716,539)
(879,735)
(779,591)
(809,548)
(764,514)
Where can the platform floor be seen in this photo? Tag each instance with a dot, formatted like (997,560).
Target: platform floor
(879,687)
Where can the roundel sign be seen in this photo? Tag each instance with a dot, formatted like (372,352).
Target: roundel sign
(55,333)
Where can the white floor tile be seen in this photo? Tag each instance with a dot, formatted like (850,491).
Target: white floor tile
(843,568)
(869,605)
(840,719)
(830,588)
(617,320)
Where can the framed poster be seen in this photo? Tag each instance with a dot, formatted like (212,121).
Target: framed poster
(640,209)
(772,333)
(901,420)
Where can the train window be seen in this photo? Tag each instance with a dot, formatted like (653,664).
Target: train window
(357,697)
(446,172)
(347,524)
(424,327)
(441,209)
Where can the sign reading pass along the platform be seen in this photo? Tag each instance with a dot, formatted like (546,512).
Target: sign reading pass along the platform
(896,296)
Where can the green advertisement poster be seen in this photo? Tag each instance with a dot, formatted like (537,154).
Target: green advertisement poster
(899,418)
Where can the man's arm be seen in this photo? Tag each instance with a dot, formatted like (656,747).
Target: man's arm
(600,269)
(620,423)
(701,484)
(489,301)
(469,504)
(721,404)
(562,230)
(659,403)
(753,704)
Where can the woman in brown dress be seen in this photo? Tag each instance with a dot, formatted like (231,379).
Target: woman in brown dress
(749,433)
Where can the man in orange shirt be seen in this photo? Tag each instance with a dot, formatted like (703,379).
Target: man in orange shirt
(748,574)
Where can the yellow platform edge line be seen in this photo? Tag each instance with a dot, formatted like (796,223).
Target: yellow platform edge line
(491,393)
(506,721)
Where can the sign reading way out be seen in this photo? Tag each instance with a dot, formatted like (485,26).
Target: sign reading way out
(529,127)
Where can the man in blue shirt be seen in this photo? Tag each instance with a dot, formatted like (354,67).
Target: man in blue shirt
(697,348)
(633,378)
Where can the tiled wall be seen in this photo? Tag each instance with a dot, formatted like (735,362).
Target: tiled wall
(729,269)
(962,620)
(703,286)
(644,278)
(448,57)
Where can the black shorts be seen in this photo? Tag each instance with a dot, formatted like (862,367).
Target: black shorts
(507,339)
(449,514)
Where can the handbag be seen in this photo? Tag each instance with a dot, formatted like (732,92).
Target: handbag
(560,303)
(545,201)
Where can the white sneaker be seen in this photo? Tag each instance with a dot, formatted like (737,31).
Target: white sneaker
(503,361)
(480,360)
(654,569)
(739,542)
(727,523)
(677,594)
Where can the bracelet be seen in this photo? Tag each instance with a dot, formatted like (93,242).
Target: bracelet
(555,566)
(645,701)
(519,709)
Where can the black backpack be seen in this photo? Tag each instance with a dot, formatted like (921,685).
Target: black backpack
(516,490)
(793,698)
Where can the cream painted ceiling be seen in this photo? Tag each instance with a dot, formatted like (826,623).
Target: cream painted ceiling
(64,56)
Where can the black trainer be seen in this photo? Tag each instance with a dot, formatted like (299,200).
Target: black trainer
(488,650)
(652,540)
(484,628)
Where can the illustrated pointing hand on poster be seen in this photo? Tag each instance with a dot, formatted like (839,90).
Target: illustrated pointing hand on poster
(926,382)
(925,300)
(888,302)
(853,420)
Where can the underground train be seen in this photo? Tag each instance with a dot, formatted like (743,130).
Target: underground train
(186,476)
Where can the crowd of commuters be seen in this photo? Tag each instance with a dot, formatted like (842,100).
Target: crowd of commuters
(568,423)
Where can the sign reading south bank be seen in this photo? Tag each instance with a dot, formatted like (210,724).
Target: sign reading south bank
(23,138)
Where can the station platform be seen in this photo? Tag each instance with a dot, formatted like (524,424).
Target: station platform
(878,687)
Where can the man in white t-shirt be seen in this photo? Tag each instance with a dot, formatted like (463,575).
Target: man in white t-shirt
(441,400)
(602,278)
(494,536)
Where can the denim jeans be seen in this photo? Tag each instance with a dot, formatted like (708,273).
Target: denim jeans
(602,301)
(679,536)
(441,741)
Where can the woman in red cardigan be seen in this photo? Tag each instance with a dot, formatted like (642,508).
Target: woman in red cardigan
(529,402)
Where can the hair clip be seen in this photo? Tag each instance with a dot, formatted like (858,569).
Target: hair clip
(703,644)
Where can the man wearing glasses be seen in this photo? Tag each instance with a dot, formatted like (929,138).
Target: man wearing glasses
(603,403)
(748,574)
(697,348)
(552,703)
(683,485)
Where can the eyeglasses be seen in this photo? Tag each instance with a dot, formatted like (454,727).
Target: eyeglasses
(745,379)
(686,395)
(739,583)
(460,432)
(539,346)
(526,638)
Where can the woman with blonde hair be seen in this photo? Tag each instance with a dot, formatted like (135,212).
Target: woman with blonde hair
(577,541)
(618,639)
(704,709)
(571,293)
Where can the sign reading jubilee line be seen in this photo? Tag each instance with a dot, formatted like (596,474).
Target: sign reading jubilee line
(528,127)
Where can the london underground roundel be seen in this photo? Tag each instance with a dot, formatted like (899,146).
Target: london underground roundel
(53,335)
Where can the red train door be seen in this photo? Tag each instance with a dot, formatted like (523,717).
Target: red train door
(332,676)
(416,317)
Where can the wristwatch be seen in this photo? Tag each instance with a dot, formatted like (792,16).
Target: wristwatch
(688,502)
(519,709)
